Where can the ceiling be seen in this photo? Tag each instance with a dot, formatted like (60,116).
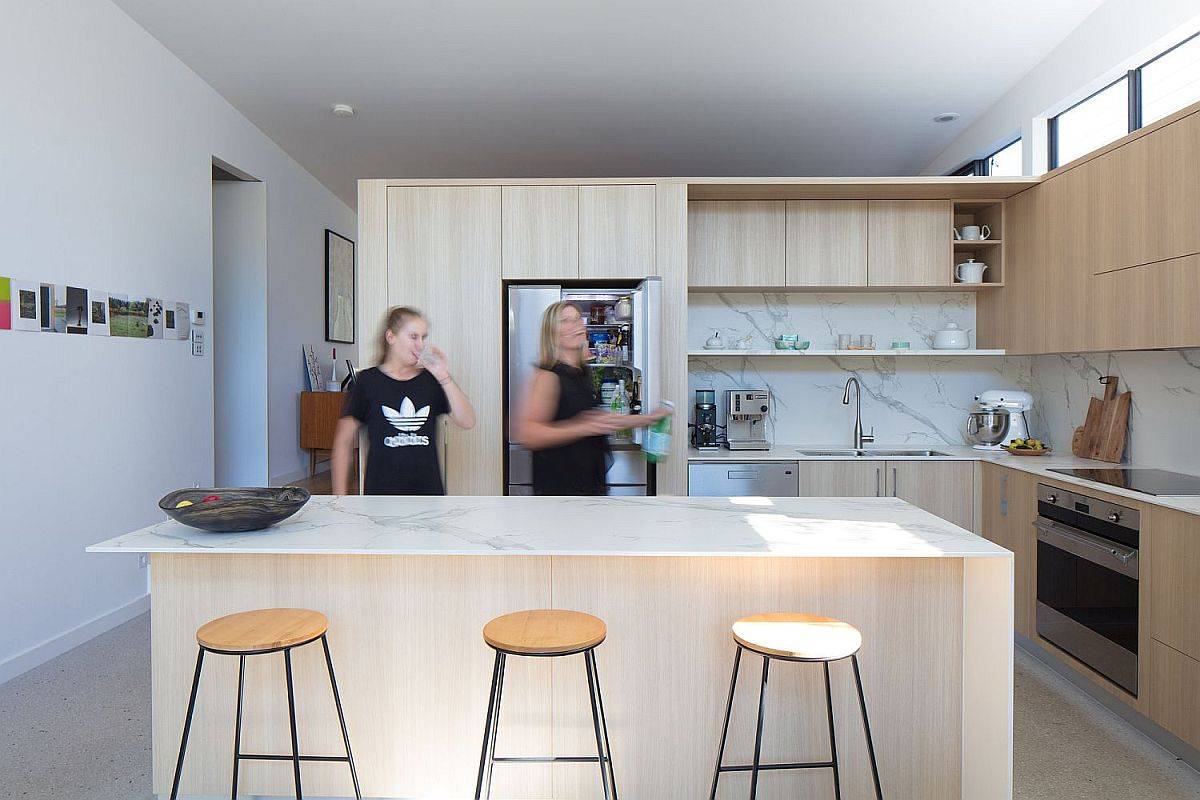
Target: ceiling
(609,88)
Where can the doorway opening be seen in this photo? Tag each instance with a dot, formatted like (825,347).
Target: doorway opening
(238,327)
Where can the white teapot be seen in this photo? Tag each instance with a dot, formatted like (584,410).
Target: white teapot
(970,271)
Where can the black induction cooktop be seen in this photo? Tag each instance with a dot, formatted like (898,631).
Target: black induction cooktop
(1150,481)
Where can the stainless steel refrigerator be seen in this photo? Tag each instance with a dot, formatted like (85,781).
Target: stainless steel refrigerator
(638,361)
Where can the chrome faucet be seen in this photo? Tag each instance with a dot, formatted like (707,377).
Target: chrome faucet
(859,437)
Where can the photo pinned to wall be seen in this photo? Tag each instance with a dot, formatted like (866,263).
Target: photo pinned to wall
(77,310)
(6,304)
(54,308)
(26,308)
(339,288)
(183,319)
(97,313)
(155,318)
(126,316)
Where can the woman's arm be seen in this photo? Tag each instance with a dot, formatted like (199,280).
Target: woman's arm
(344,437)
(536,428)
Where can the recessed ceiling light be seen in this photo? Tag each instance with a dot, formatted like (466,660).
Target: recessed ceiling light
(342,110)
(948,116)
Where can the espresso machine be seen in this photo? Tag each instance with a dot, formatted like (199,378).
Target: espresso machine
(704,431)
(746,419)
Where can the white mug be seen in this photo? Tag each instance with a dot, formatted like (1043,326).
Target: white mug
(973,233)
(970,271)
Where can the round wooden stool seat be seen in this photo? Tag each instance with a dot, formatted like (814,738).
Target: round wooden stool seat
(804,637)
(262,630)
(545,632)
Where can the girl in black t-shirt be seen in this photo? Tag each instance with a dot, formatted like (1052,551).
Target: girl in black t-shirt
(399,402)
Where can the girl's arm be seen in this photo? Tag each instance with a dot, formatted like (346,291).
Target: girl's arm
(536,428)
(462,413)
(344,437)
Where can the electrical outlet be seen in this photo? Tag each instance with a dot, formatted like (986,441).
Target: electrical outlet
(143,560)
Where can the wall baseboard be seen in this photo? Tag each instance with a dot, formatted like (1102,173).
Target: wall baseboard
(41,653)
(289,477)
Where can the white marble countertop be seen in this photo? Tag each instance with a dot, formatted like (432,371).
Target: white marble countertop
(1035,465)
(585,526)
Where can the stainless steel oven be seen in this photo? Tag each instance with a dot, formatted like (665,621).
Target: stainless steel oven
(1087,581)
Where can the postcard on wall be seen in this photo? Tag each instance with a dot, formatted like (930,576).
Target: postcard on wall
(54,307)
(6,314)
(77,310)
(26,310)
(183,319)
(155,318)
(97,313)
(123,319)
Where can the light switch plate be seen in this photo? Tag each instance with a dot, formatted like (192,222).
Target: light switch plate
(197,342)
(197,317)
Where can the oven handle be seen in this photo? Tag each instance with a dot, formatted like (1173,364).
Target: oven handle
(1085,545)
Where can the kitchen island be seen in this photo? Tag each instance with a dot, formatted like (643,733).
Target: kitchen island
(408,583)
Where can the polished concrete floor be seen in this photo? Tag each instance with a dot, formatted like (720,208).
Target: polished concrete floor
(78,728)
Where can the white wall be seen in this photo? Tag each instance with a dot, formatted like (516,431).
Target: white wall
(237,332)
(107,148)
(1118,36)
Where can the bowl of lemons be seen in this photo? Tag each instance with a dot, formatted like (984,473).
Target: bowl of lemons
(233,510)
(1027,447)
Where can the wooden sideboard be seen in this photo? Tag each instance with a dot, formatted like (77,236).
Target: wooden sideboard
(319,414)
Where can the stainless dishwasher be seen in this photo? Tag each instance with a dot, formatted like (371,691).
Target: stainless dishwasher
(744,479)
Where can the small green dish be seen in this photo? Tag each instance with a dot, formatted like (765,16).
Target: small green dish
(801,345)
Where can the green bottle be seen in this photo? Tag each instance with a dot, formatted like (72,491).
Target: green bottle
(658,437)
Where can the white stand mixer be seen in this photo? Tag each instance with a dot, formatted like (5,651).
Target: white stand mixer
(999,419)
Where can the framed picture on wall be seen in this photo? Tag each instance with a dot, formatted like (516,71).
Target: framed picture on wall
(339,288)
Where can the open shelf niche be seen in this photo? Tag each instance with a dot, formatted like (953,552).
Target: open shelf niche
(990,251)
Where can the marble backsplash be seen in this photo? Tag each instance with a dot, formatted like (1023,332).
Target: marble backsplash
(923,400)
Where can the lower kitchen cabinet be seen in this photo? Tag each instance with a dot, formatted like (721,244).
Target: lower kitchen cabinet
(943,488)
(841,478)
(1175,692)
(1173,577)
(1009,507)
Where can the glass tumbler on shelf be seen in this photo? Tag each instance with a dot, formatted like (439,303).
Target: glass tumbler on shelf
(843,341)
(868,341)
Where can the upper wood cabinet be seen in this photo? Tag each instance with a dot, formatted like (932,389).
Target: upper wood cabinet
(1010,318)
(736,243)
(541,232)
(443,257)
(826,243)
(909,242)
(616,231)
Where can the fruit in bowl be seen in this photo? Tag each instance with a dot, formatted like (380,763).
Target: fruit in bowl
(1027,447)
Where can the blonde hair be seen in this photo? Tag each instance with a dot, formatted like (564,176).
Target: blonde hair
(395,320)
(548,340)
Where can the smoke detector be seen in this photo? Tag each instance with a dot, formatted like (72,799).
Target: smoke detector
(947,116)
(343,110)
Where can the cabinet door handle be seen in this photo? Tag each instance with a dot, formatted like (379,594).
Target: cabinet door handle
(1004,495)
(895,482)
(877,470)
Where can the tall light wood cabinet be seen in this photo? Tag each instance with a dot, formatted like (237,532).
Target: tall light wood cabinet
(540,232)
(736,243)
(1009,505)
(909,242)
(826,243)
(444,255)
(616,231)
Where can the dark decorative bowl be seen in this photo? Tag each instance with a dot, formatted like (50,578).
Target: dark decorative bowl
(238,510)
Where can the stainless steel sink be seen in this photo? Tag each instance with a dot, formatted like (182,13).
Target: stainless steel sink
(872,453)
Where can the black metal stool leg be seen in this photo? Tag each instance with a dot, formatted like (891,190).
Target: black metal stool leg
(862,704)
(187,724)
(587,665)
(287,668)
(487,781)
(837,779)
(337,701)
(612,775)
(737,659)
(762,694)
(487,727)
(237,727)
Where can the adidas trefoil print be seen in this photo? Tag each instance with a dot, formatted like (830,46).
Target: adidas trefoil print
(406,420)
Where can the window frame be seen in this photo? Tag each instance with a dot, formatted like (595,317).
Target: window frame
(979,167)
(1168,51)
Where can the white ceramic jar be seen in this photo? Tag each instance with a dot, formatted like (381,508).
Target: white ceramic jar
(951,337)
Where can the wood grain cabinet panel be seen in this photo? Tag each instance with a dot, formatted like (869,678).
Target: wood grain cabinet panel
(945,489)
(1009,508)
(841,478)
(1175,692)
(616,231)
(827,243)
(1173,579)
(1011,317)
(541,232)
(909,242)
(444,255)
(735,243)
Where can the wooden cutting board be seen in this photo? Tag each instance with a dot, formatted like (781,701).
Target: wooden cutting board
(1104,430)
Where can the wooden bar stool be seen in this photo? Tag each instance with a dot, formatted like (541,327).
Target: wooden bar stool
(252,633)
(545,634)
(804,638)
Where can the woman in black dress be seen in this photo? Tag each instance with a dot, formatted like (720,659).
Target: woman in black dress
(399,403)
(559,420)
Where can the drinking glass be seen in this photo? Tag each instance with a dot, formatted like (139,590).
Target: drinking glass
(843,341)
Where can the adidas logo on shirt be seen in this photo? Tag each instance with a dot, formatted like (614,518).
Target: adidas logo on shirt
(406,420)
